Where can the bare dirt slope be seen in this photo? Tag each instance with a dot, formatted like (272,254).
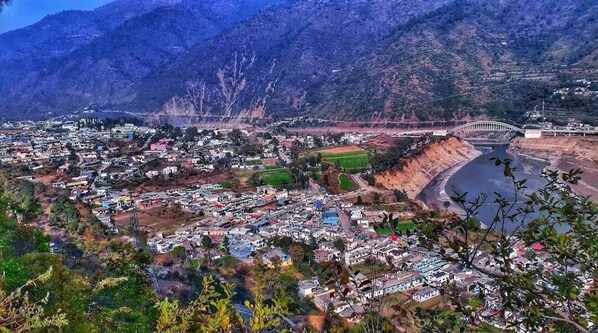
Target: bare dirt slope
(564,154)
(419,170)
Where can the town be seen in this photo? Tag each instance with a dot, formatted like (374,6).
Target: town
(240,197)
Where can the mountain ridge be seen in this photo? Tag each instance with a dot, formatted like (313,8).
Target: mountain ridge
(337,59)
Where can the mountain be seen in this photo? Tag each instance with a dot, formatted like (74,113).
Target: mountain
(495,58)
(61,33)
(114,46)
(270,63)
(367,60)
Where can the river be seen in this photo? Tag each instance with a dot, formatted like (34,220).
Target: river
(479,176)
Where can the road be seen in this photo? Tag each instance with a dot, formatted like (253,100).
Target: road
(147,142)
(363,185)
(345,222)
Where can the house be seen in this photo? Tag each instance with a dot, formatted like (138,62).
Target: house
(425,294)
(59,185)
(277,254)
(161,145)
(357,255)
(170,170)
(308,287)
(240,251)
(330,217)
(151,174)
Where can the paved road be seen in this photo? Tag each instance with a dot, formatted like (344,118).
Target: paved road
(147,142)
(345,222)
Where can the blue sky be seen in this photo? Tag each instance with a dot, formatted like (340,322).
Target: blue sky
(22,13)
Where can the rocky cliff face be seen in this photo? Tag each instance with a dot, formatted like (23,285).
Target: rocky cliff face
(420,169)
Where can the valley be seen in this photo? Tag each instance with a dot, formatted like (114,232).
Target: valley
(299,166)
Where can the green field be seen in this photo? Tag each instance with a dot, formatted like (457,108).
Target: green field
(346,183)
(403,226)
(276,177)
(253,162)
(352,162)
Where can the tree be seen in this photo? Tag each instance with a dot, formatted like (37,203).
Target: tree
(224,245)
(214,311)
(359,200)
(255,180)
(3,3)
(190,133)
(339,244)
(283,242)
(297,254)
(206,242)
(555,288)
(179,252)
(65,213)
(19,314)
(401,195)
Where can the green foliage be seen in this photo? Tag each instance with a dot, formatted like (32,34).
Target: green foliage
(24,202)
(339,244)
(401,195)
(18,313)
(190,133)
(229,261)
(214,311)
(351,162)
(236,136)
(393,226)
(65,213)
(255,180)
(394,156)
(179,252)
(345,183)
(206,242)
(276,177)
(550,295)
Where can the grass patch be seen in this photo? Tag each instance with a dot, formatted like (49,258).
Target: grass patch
(346,183)
(279,177)
(254,162)
(227,184)
(228,261)
(403,226)
(475,302)
(352,162)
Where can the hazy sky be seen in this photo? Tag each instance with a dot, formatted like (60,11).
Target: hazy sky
(22,13)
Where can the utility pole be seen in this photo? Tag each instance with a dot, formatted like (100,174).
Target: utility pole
(134,228)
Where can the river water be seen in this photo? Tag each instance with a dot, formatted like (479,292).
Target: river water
(482,176)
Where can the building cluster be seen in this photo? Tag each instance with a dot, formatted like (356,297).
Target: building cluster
(92,164)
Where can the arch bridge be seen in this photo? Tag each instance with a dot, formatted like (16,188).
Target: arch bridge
(486,126)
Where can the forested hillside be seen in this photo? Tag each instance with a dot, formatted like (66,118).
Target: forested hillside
(353,60)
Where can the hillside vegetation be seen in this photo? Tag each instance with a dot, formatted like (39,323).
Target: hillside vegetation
(348,60)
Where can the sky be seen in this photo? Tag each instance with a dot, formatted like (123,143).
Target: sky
(22,13)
